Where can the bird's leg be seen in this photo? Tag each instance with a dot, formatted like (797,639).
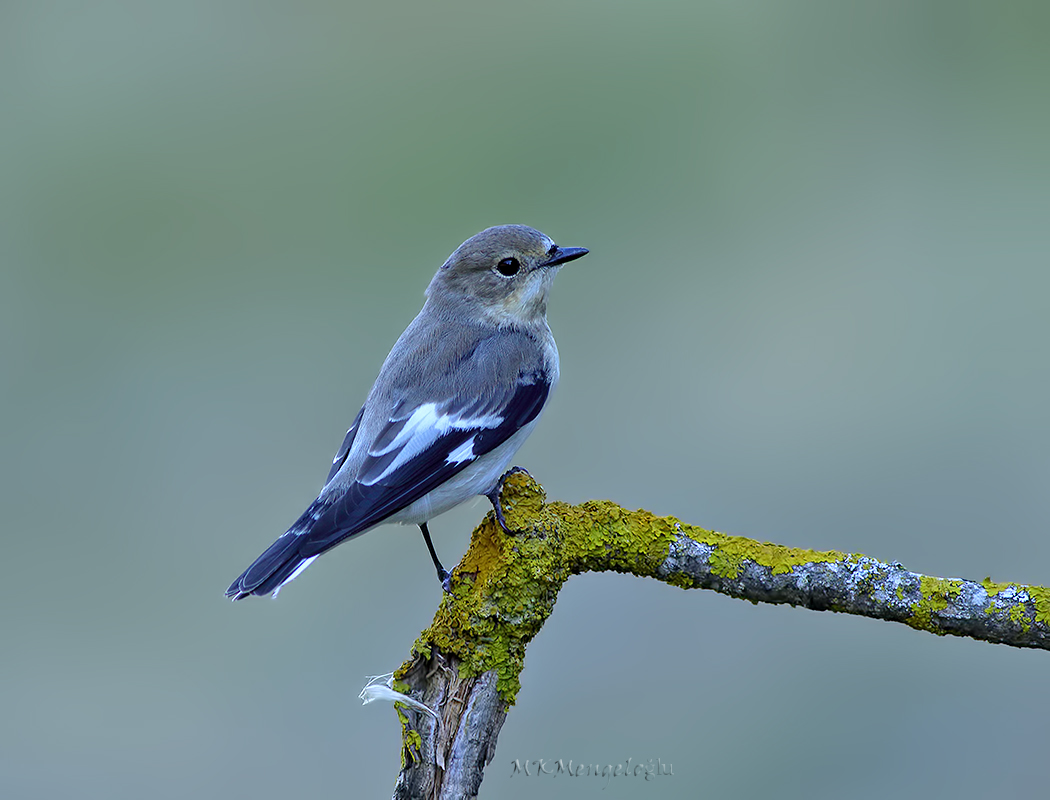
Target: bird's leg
(443,574)
(493,496)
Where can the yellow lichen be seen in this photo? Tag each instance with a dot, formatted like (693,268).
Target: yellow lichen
(681,580)
(1019,616)
(411,740)
(994,588)
(1041,600)
(725,564)
(731,552)
(501,593)
(935,593)
(602,535)
(1038,595)
(505,587)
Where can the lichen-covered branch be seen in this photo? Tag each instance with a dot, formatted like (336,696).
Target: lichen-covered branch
(466,665)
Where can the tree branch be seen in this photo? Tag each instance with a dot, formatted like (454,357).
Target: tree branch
(466,665)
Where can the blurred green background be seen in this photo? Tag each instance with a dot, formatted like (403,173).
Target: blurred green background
(816,311)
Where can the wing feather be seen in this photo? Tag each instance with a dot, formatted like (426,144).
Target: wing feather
(344,448)
(433,453)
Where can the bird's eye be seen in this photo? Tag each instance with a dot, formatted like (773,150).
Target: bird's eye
(508,266)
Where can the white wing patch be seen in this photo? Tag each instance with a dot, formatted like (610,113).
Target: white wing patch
(465,452)
(422,429)
(423,418)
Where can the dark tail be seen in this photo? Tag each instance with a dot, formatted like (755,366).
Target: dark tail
(282,561)
(279,564)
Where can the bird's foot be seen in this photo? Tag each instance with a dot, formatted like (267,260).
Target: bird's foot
(446,581)
(493,496)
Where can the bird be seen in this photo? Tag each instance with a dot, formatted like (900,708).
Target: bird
(460,391)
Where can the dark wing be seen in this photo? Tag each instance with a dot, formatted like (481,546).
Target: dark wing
(417,450)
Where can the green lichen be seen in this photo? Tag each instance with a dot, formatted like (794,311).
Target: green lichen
(1041,600)
(1039,596)
(681,580)
(411,740)
(1019,616)
(935,595)
(725,563)
(639,542)
(730,553)
(502,592)
(600,535)
(994,588)
(506,586)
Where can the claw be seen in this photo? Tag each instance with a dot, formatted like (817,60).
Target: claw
(493,496)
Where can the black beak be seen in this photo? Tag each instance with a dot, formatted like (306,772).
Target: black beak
(563,255)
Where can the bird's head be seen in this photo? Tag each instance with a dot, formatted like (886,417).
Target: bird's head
(505,273)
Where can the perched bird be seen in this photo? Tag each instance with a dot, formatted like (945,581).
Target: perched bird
(460,391)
